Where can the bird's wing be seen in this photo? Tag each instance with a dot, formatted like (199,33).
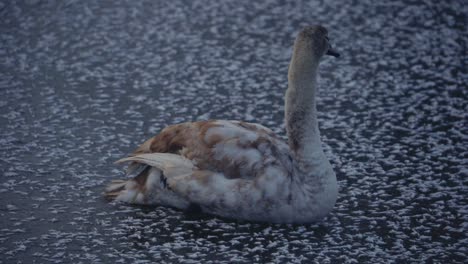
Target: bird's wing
(230,168)
(233,148)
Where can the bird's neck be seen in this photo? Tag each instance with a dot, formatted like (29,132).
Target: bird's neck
(300,108)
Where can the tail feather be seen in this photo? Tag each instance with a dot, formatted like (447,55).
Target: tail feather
(114,189)
(125,191)
(169,164)
(152,171)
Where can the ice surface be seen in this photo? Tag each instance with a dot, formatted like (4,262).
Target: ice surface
(82,83)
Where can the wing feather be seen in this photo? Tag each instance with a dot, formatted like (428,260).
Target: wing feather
(235,149)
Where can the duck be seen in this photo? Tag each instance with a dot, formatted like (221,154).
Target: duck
(240,170)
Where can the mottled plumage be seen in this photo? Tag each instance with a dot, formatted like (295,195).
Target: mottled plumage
(238,169)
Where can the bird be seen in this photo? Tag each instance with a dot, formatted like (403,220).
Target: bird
(240,170)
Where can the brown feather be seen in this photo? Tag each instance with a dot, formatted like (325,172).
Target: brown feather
(192,141)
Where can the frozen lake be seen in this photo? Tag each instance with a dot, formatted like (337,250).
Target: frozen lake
(83,83)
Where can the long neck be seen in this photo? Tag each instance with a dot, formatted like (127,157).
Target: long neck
(313,176)
(300,108)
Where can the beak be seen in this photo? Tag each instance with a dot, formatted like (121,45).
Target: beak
(332,52)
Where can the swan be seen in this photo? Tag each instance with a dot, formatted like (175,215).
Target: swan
(242,170)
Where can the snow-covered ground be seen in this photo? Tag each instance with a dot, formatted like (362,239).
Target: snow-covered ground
(82,83)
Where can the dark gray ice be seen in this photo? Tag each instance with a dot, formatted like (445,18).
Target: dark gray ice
(82,83)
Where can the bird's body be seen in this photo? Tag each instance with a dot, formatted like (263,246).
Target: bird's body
(243,170)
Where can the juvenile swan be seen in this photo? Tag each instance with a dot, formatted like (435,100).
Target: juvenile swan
(242,170)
